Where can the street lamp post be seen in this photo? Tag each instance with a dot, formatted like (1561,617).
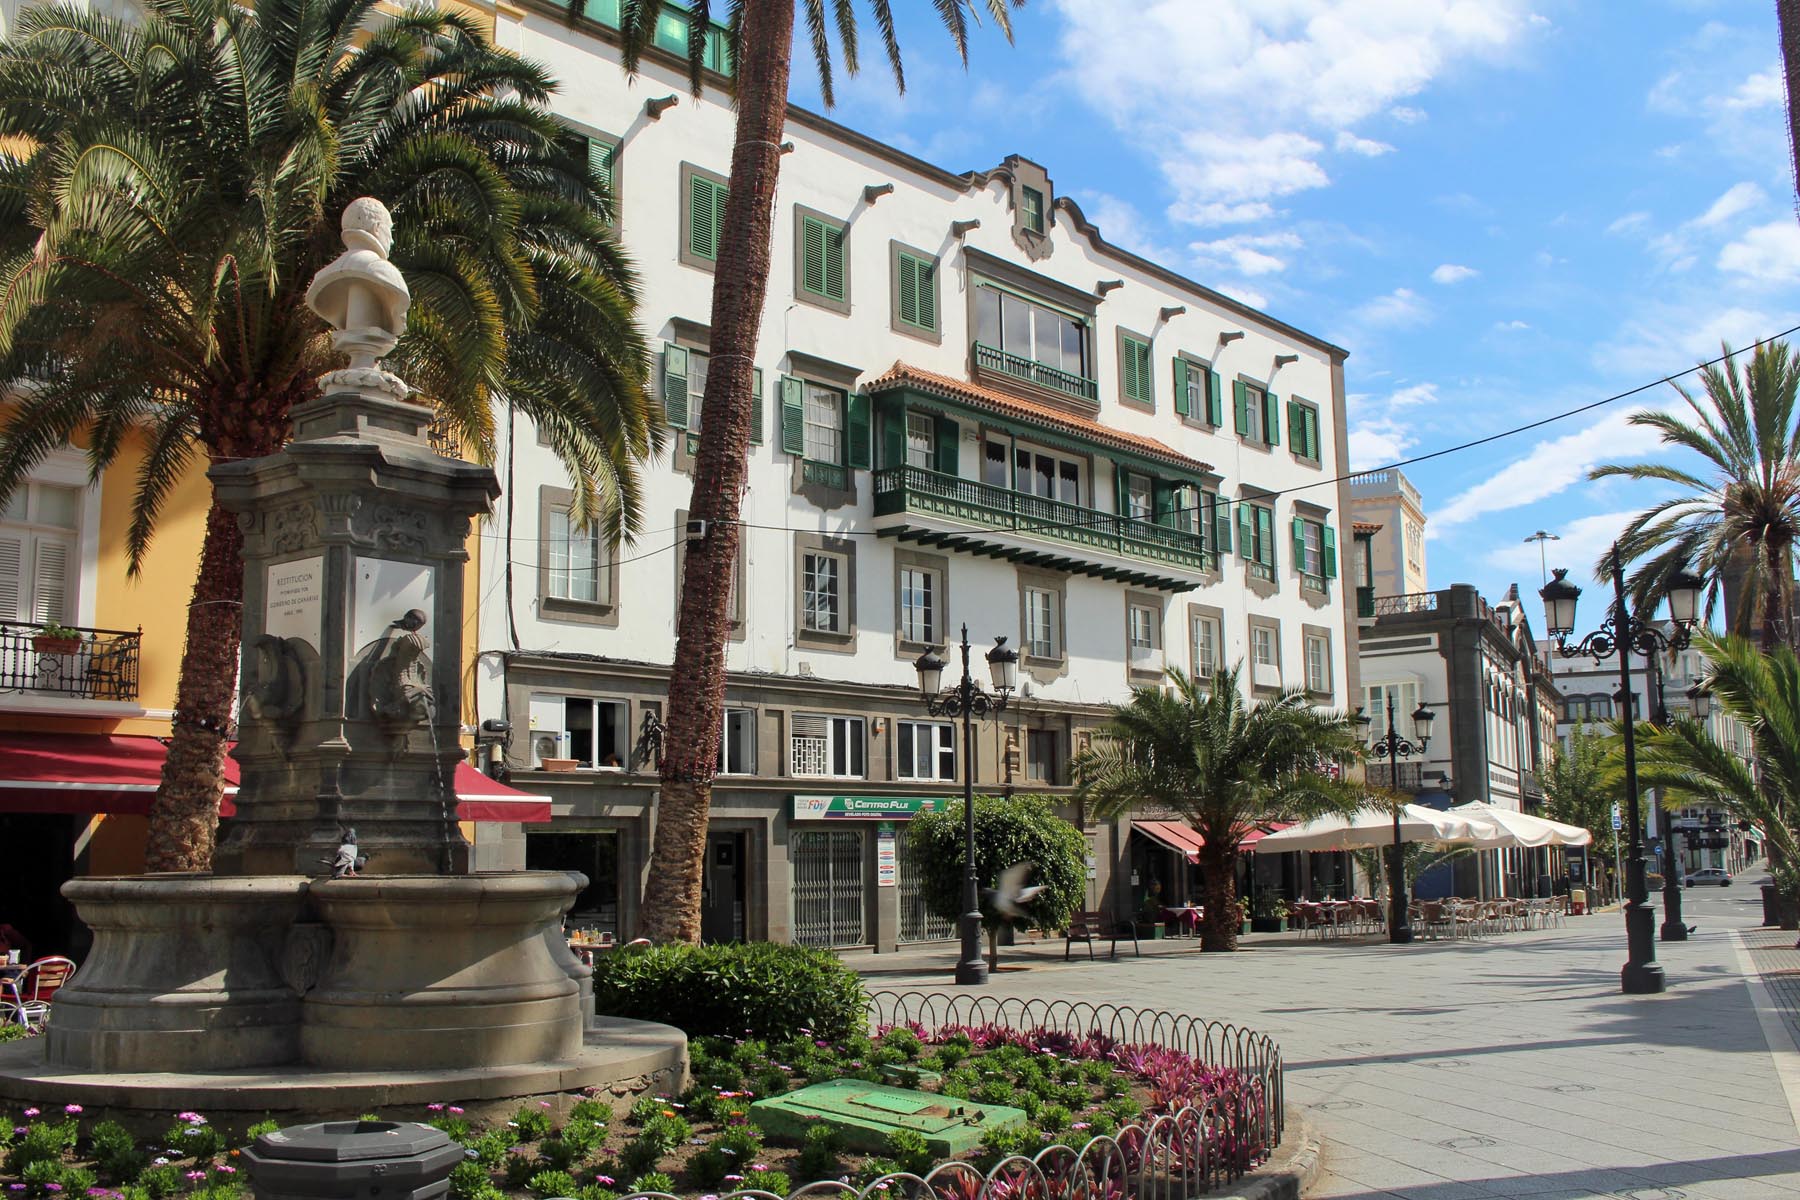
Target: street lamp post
(967,700)
(1622,634)
(1396,748)
(1674,928)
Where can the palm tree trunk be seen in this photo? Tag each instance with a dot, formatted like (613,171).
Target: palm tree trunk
(1220,923)
(671,907)
(1787,15)
(184,817)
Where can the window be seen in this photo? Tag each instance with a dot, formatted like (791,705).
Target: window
(1143,637)
(593,732)
(38,532)
(1143,627)
(925,750)
(824,424)
(1187,509)
(1043,756)
(1036,472)
(1256,413)
(1415,543)
(601,154)
(1139,502)
(826,746)
(1303,430)
(1262,646)
(1206,646)
(1031,205)
(672,26)
(684,390)
(1315,550)
(821,593)
(1318,663)
(1041,623)
(1135,376)
(822,275)
(703,196)
(915,295)
(921,440)
(1256,538)
(737,742)
(1375,701)
(919,605)
(1197,393)
(576,560)
(1023,334)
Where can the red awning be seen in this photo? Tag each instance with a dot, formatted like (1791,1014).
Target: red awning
(119,773)
(1174,835)
(1258,834)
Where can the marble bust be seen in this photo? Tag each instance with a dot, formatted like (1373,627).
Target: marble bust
(364,299)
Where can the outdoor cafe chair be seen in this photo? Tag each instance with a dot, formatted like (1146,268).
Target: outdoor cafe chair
(1435,919)
(40,982)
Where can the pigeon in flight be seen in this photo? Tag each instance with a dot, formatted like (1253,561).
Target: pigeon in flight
(1009,894)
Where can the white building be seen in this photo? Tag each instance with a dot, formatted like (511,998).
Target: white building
(1388,504)
(973,408)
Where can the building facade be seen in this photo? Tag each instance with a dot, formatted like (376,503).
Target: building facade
(971,409)
(1392,512)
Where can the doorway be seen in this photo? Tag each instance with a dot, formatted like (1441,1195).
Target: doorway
(722,889)
(40,858)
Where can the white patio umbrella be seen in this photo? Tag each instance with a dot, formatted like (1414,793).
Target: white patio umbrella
(1374,826)
(1512,828)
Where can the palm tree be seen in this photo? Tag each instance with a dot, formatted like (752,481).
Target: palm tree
(1787,17)
(1735,519)
(1416,858)
(1200,750)
(1762,690)
(172,186)
(760,38)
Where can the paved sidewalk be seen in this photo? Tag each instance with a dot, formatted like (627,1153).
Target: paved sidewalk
(1511,1067)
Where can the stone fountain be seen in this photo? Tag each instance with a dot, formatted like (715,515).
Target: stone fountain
(269,986)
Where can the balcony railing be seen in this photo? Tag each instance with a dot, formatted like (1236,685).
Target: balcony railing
(824,474)
(1380,774)
(1365,601)
(94,664)
(1410,602)
(990,358)
(918,490)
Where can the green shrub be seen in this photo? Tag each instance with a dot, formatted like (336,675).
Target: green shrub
(457,1128)
(766,990)
(593,1111)
(1030,1104)
(654,1181)
(159,1182)
(260,1128)
(467,1179)
(76,1180)
(659,1135)
(769,1181)
(491,1147)
(198,1140)
(583,1135)
(1100,1124)
(997,1091)
(530,1123)
(13,1033)
(731,1153)
(1122,1108)
(1053,1118)
(819,1153)
(115,1152)
(43,1142)
(1006,1141)
(907,1148)
(521,1164)
(648,1107)
(560,1155)
(551,1183)
(904,1040)
(875,1168)
(595,1192)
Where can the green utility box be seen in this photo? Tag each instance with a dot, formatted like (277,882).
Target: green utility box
(865,1113)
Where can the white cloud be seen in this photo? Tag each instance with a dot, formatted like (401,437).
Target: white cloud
(1399,309)
(1238,290)
(1673,336)
(1582,541)
(1215,213)
(1121,224)
(1512,326)
(1266,87)
(1739,198)
(1546,469)
(1349,143)
(1762,90)
(1379,432)
(1631,222)
(1246,253)
(1448,273)
(1766,254)
(1406,114)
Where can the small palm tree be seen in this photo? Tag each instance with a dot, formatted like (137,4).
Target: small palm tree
(1224,765)
(760,37)
(1762,690)
(169,187)
(1416,858)
(1736,516)
(1578,789)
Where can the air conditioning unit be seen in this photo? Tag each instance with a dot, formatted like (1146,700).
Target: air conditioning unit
(548,744)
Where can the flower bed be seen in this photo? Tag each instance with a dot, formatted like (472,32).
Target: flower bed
(1120,1103)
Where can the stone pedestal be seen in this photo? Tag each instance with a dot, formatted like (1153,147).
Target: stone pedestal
(185,974)
(440,972)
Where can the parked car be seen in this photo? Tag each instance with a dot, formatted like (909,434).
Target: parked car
(1716,875)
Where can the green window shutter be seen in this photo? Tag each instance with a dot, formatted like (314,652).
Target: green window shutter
(1296,427)
(856,430)
(1246,534)
(1265,537)
(892,420)
(1299,541)
(1271,426)
(907,289)
(926,274)
(947,463)
(1182,408)
(675,384)
(812,256)
(1312,434)
(756,406)
(1328,551)
(1162,502)
(1215,404)
(793,416)
(1134,370)
(1221,525)
(706,211)
(600,163)
(834,263)
(1241,397)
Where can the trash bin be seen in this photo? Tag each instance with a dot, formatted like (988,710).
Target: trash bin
(1577,902)
(1771,906)
(352,1160)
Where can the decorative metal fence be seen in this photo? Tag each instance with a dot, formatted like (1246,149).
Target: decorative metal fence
(94,664)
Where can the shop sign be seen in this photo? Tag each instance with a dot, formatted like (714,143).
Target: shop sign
(886,861)
(862,808)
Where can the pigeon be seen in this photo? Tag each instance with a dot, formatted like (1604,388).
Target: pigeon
(1010,894)
(347,862)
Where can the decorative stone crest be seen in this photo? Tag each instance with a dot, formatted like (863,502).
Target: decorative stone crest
(362,296)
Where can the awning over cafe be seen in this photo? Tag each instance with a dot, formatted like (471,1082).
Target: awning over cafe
(118,774)
(1174,836)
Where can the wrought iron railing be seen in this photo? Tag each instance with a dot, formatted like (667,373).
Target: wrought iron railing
(916,489)
(1405,779)
(824,474)
(93,664)
(1410,602)
(992,358)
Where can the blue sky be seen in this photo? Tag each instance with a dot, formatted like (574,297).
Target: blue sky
(1503,209)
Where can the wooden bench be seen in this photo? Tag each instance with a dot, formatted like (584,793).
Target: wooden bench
(1091,927)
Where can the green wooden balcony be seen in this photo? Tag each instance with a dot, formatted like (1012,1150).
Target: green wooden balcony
(922,492)
(993,360)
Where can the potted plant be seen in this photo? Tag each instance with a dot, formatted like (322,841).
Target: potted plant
(1149,918)
(52,638)
(1268,912)
(557,764)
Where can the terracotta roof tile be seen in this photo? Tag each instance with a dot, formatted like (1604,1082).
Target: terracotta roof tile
(903,375)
